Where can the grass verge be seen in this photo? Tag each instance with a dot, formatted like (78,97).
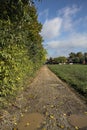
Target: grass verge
(74,75)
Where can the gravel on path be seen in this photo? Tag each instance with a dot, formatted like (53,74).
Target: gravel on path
(49,100)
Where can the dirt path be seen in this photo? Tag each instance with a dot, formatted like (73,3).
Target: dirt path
(51,105)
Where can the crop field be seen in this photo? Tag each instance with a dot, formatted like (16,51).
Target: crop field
(74,75)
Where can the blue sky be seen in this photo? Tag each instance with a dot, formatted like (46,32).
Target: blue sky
(64,26)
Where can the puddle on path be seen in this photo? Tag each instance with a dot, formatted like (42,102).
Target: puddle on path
(78,120)
(30,121)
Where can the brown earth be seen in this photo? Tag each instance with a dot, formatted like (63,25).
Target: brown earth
(46,104)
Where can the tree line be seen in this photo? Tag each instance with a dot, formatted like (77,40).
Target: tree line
(21,49)
(73,58)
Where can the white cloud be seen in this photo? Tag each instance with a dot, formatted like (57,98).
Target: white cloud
(51,28)
(64,24)
(44,13)
(69,11)
(75,40)
(64,47)
(67,14)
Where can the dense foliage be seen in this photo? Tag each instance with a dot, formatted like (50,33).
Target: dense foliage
(57,60)
(76,58)
(74,75)
(21,50)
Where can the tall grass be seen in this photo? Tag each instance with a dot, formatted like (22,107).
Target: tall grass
(74,75)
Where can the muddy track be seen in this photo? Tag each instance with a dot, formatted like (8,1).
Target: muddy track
(48,104)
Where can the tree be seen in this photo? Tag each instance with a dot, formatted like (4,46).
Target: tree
(72,55)
(85,57)
(79,55)
(76,60)
(61,59)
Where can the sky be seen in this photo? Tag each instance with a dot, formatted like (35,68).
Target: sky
(64,26)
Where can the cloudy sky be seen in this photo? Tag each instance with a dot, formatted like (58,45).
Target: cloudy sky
(64,26)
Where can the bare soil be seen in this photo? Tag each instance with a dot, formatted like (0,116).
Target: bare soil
(46,104)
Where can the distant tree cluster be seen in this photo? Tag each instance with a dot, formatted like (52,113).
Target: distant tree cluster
(78,58)
(56,60)
(75,58)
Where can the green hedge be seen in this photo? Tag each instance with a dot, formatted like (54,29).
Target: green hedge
(21,49)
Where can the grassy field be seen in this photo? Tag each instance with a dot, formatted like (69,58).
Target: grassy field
(74,75)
